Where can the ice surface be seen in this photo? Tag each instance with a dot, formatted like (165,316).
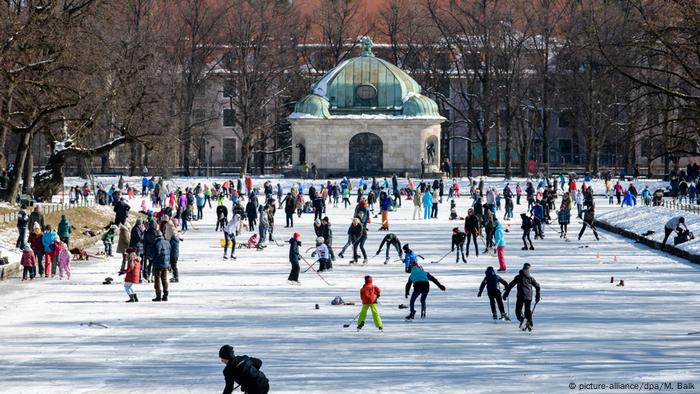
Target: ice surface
(586,329)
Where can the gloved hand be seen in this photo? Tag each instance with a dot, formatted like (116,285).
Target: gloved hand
(377,253)
(505,296)
(313,254)
(442,287)
(537,298)
(406,295)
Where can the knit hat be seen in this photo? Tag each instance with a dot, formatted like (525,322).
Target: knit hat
(405,247)
(526,266)
(455,230)
(226,352)
(297,235)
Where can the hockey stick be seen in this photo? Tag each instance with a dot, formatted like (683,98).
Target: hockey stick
(508,302)
(319,275)
(353,320)
(694,333)
(311,266)
(441,258)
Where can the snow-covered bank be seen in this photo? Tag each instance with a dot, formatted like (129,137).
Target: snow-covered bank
(641,220)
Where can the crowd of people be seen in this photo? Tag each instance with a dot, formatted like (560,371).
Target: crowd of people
(149,247)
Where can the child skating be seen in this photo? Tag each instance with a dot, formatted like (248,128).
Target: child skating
(492,283)
(369,294)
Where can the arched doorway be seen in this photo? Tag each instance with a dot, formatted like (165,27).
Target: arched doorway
(366,154)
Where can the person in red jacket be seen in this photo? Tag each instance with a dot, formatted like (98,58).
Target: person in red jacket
(133,274)
(369,294)
(28,261)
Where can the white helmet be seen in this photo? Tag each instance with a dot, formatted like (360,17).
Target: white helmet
(319,240)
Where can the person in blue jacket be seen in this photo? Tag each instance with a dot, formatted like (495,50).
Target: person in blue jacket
(384,206)
(421,286)
(161,264)
(144,186)
(538,218)
(427,203)
(408,258)
(629,200)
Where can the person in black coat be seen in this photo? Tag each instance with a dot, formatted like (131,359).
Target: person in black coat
(136,238)
(358,236)
(471,228)
(251,211)
(289,209)
(174,256)
(121,211)
(458,239)
(327,234)
(527,227)
(243,370)
(294,244)
(491,282)
(221,217)
(149,241)
(22,223)
(391,240)
(524,283)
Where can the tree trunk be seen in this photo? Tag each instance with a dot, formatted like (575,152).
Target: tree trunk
(22,150)
(28,169)
(498,139)
(485,155)
(470,166)
(133,158)
(49,182)
(509,146)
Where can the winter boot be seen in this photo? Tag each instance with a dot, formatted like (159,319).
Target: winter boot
(411,315)
(157,299)
(422,314)
(532,247)
(131,298)
(136,298)
(360,325)
(174,280)
(165,296)
(523,248)
(504,316)
(495,317)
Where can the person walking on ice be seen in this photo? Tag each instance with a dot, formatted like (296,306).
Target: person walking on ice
(524,283)
(369,294)
(390,240)
(491,282)
(421,286)
(294,244)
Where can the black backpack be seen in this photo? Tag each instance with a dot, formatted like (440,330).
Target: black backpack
(248,374)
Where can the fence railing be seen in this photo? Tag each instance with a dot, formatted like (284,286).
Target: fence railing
(674,204)
(48,208)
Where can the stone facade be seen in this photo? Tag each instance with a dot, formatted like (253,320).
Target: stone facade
(327,142)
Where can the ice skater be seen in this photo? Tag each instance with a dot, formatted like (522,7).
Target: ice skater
(524,283)
(390,240)
(492,283)
(294,244)
(458,238)
(244,371)
(369,294)
(421,286)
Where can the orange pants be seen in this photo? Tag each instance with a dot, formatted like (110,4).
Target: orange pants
(385,220)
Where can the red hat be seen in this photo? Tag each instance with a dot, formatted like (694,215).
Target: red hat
(296,235)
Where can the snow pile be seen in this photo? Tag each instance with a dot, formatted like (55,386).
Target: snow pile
(640,220)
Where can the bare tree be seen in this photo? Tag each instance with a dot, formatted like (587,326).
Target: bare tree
(260,51)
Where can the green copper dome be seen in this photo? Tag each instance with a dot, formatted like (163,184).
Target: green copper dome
(313,105)
(366,85)
(419,105)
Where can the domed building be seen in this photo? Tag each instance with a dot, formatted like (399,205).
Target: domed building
(366,117)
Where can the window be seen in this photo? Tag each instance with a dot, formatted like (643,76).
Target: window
(565,151)
(228,89)
(366,96)
(198,116)
(229,117)
(229,151)
(565,119)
